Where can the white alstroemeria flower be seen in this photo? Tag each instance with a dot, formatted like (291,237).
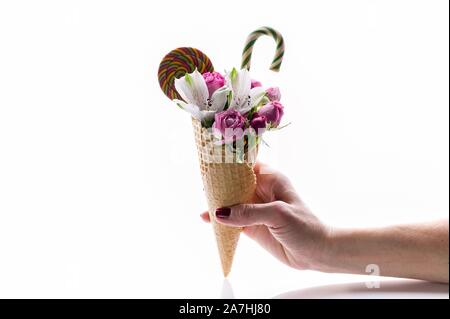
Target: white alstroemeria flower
(244,98)
(192,88)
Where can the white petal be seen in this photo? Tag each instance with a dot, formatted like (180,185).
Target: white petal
(245,82)
(200,89)
(240,103)
(194,89)
(240,87)
(193,110)
(183,89)
(245,108)
(256,95)
(197,114)
(218,99)
(207,115)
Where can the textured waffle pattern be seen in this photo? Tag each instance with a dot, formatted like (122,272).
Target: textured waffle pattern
(225,184)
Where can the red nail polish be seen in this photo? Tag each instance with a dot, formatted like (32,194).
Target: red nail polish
(223,212)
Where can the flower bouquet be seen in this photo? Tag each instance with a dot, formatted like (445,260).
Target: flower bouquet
(230,113)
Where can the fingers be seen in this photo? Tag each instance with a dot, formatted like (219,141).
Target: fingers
(262,235)
(270,214)
(205,217)
(273,186)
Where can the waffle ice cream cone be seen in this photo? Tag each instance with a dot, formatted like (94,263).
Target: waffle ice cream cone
(227,181)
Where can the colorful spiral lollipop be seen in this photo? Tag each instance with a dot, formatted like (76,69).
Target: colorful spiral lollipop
(248,48)
(177,63)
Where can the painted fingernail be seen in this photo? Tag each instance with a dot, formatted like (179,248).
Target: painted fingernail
(223,212)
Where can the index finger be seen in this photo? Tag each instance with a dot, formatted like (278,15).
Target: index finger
(273,185)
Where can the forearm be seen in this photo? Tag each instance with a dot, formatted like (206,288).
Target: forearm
(410,251)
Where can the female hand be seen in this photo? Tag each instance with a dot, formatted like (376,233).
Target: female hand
(279,221)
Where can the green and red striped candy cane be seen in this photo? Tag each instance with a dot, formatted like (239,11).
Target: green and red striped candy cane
(248,48)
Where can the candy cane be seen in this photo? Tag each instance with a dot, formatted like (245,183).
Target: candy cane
(248,48)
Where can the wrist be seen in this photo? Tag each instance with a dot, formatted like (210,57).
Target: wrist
(339,254)
(326,259)
(348,251)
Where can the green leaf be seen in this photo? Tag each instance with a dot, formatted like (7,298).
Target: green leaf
(251,112)
(207,123)
(233,74)
(280,127)
(264,100)
(264,142)
(229,98)
(189,79)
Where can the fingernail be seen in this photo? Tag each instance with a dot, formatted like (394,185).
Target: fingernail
(223,212)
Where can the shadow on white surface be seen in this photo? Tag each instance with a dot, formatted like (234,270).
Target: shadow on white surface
(391,289)
(227,290)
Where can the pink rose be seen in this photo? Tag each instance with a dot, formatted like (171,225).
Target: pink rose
(258,123)
(214,81)
(255,84)
(273,94)
(273,112)
(230,124)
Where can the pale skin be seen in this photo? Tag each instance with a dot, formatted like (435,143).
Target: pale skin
(282,224)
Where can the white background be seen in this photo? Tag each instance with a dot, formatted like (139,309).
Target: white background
(100,190)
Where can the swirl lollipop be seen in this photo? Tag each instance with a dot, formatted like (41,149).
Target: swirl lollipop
(177,63)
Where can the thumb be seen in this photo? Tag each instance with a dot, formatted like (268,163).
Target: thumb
(270,214)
